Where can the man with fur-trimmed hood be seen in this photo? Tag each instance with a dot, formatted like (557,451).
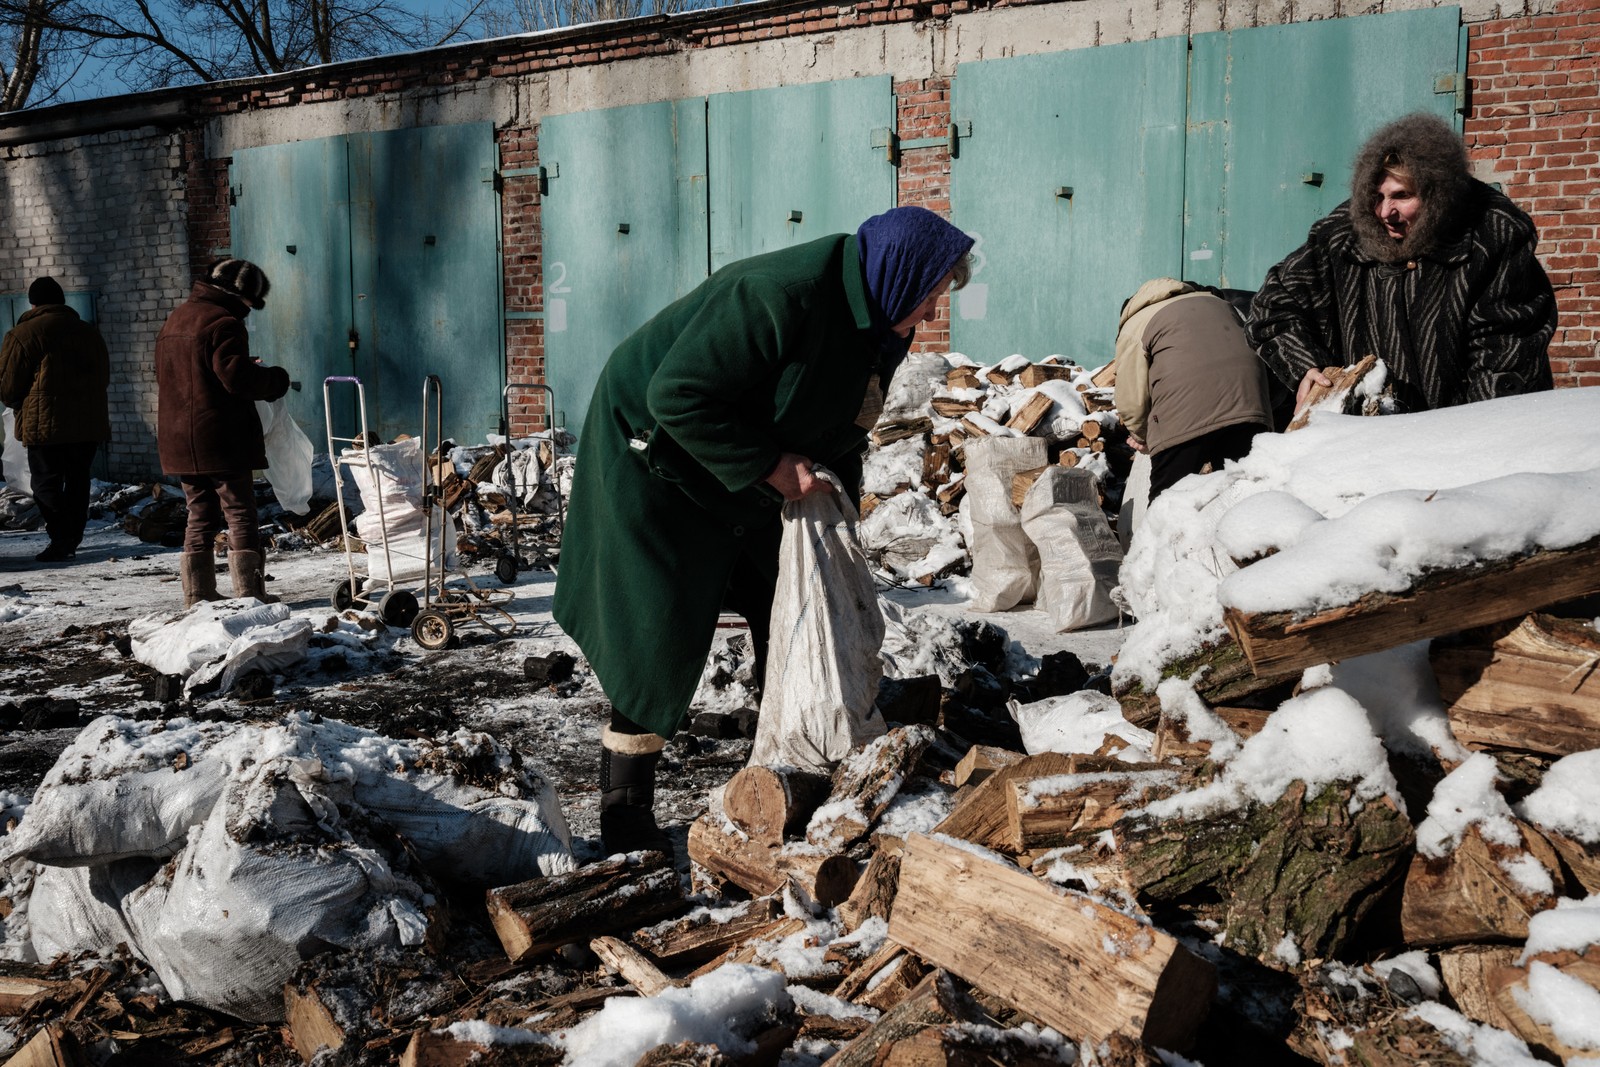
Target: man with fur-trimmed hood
(1425,267)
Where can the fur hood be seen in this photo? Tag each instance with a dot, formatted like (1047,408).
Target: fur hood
(1437,160)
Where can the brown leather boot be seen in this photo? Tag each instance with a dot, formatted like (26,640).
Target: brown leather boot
(199,573)
(245,568)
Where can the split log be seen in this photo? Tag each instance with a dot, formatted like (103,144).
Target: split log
(1105,377)
(1469,896)
(1306,869)
(865,784)
(965,1046)
(615,894)
(750,950)
(768,803)
(441,1048)
(311,1024)
(1510,981)
(887,433)
(21,982)
(1036,374)
(1533,686)
(982,816)
(1343,380)
(982,761)
(1072,963)
(936,466)
(963,378)
(1581,861)
(325,525)
(685,1054)
(484,467)
(1440,603)
(762,869)
(952,490)
(55,1045)
(1099,400)
(1021,482)
(1063,809)
(868,502)
(1172,736)
(998,375)
(857,981)
(705,934)
(899,980)
(630,965)
(1027,418)
(937,1001)
(873,895)
(950,408)
(831,1028)
(1468,976)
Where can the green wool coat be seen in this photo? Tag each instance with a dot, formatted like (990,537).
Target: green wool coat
(769,355)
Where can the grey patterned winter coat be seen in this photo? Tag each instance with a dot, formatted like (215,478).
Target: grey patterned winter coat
(1460,310)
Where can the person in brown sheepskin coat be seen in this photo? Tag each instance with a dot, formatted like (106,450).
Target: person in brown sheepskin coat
(1425,267)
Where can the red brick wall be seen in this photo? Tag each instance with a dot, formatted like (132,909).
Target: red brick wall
(1534,126)
(923,111)
(206,191)
(521,268)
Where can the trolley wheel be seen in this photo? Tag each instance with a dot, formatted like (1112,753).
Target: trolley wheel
(398,607)
(432,630)
(505,569)
(344,595)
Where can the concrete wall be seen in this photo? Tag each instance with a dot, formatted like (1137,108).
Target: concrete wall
(1533,124)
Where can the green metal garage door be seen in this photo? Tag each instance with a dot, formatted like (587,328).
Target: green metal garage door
(624,225)
(1277,114)
(389,241)
(1072,182)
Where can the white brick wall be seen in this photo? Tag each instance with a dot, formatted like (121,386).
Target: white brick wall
(105,213)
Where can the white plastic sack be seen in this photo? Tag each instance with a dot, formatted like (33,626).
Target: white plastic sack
(1005,565)
(1135,499)
(824,663)
(1079,722)
(520,474)
(14,460)
(73,908)
(1078,554)
(261,648)
(289,455)
(391,521)
(185,643)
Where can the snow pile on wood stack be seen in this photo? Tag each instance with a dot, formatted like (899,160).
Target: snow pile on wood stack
(913,520)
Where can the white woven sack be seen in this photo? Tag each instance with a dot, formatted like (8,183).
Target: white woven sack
(289,456)
(73,908)
(825,660)
(1005,565)
(1079,556)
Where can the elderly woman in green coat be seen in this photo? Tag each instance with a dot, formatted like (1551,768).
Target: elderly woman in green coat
(702,424)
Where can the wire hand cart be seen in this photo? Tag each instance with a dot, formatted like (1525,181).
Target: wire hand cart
(446,606)
(512,560)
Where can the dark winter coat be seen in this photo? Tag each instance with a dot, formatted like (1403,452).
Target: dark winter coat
(769,355)
(1460,311)
(208,385)
(54,370)
(1184,368)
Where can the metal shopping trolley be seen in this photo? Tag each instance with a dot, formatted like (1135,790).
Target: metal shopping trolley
(374,587)
(447,602)
(512,560)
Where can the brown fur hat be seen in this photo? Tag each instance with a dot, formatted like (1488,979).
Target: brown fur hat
(1432,152)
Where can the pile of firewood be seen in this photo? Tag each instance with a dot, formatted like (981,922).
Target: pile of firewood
(1015,398)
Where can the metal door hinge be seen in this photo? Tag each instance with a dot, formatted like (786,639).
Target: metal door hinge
(889,142)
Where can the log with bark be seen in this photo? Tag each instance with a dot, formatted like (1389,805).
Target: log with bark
(865,784)
(824,874)
(769,803)
(1532,685)
(704,934)
(1320,397)
(1226,679)
(1036,374)
(982,816)
(1076,965)
(950,407)
(1439,603)
(887,433)
(1173,740)
(614,894)
(1510,985)
(936,1001)
(873,894)
(1066,809)
(964,378)
(631,965)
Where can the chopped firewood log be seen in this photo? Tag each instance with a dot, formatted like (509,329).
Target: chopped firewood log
(887,433)
(1467,971)
(1026,418)
(21,982)
(1091,429)
(1441,603)
(977,424)
(630,965)
(952,490)
(868,502)
(1507,982)
(1088,444)
(1344,379)
(750,950)
(1067,960)
(1105,377)
(831,1028)
(442,1048)
(1226,679)
(1469,896)
(1531,686)
(936,1001)
(951,408)
(1309,869)
(982,761)
(936,466)
(966,1046)
(311,1024)
(1099,400)
(1172,736)
(865,784)
(900,977)
(998,375)
(963,378)
(982,815)
(769,803)
(546,913)
(685,1054)
(873,894)
(761,869)
(1582,861)
(698,936)
(58,1044)
(325,525)
(1036,374)
(1062,809)
(452,488)
(863,975)
(484,467)
(1021,482)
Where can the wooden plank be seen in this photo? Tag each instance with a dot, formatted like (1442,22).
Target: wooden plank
(1533,687)
(1065,959)
(614,894)
(1442,603)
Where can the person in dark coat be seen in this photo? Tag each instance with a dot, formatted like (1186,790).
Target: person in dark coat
(701,425)
(208,433)
(1189,389)
(1425,267)
(54,370)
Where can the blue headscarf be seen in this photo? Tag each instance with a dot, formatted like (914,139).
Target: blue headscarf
(905,252)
